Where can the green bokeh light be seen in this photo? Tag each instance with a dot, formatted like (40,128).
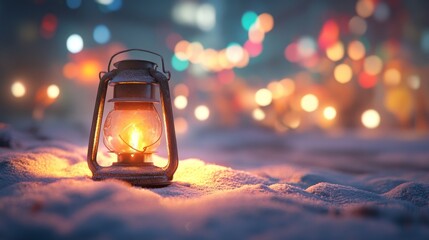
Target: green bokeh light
(248,19)
(178,64)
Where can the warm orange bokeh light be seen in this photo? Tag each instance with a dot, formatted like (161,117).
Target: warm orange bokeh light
(356,50)
(266,22)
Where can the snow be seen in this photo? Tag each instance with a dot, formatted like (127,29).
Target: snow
(233,185)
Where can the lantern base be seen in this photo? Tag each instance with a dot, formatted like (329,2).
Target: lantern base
(147,176)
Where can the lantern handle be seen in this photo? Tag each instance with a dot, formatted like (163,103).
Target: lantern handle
(141,50)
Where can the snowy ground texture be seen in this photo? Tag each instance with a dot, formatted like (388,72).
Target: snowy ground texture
(245,185)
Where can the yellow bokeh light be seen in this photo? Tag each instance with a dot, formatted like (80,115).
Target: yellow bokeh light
(18,89)
(357,25)
(258,114)
(263,97)
(399,101)
(329,113)
(202,112)
(335,52)
(356,50)
(370,119)
(53,91)
(288,86)
(193,52)
(309,103)
(392,77)
(343,73)
(277,89)
(373,65)
(365,8)
(180,102)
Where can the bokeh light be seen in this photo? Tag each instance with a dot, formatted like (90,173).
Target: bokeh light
(277,89)
(202,112)
(357,25)
(335,52)
(266,22)
(254,49)
(365,8)
(101,34)
(343,73)
(263,97)
(258,114)
(370,119)
(248,19)
(413,82)
(49,25)
(74,43)
(256,34)
(382,12)
(53,91)
(392,77)
(356,50)
(180,102)
(178,64)
(366,80)
(73,4)
(329,34)
(18,89)
(373,65)
(234,53)
(206,17)
(288,86)
(329,113)
(306,47)
(309,103)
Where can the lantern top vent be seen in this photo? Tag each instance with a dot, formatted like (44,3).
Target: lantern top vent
(133,72)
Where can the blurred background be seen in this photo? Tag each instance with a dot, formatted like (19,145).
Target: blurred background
(282,66)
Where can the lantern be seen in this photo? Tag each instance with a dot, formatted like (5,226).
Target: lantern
(133,129)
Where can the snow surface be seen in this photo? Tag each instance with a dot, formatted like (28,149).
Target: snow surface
(247,184)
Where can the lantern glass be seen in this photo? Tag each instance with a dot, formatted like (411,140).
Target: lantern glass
(132,127)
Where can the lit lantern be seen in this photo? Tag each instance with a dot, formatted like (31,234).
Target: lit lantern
(133,129)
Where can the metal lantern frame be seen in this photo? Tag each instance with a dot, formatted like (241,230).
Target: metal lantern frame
(138,174)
